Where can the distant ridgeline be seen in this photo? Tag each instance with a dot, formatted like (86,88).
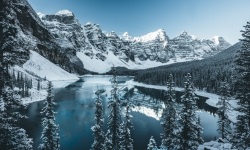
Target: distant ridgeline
(207,73)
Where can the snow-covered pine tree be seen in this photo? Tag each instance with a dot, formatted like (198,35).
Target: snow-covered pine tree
(152,144)
(199,131)
(169,123)
(97,128)
(224,127)
(113,135)
(50,134)
(127,141)
(11,135)
(189,134)
(242,129)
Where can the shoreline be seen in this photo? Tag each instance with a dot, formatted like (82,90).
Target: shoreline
(211,101)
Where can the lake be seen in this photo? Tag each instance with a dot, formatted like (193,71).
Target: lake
(75,113)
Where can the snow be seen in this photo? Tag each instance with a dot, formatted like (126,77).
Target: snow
(112,60)
(215,145)
(148,112)
(98,65)
(216,40)
(64,13)
(126,37)
(212,98)
(43,68)
(159,34)
(35,96)
(40,15)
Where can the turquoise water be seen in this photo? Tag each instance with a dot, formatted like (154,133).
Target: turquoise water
(75,114)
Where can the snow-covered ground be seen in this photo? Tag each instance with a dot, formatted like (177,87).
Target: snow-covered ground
(212,98)
(112,60)
(40,95)
(216,145)
(35,96)
(43,68)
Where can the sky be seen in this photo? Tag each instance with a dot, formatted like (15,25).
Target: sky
(202,18)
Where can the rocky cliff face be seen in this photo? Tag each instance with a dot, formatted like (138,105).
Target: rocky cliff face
(189,47)
(152,46)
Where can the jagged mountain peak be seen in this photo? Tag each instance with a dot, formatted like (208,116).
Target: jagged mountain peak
(62,16)
(186,35)
(126,37)
(159,34)
(218,39)
(125,34)
(41,15)
(92,25)
(112,34)
(64,12)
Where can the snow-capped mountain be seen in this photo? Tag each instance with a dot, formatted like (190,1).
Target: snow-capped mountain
(107,50)
(190,47)
(62,40)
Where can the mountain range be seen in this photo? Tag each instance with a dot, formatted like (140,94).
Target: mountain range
(81,49)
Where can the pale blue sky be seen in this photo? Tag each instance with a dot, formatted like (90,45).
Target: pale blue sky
(203,18)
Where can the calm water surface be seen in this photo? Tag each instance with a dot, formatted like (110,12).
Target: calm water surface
(75,114)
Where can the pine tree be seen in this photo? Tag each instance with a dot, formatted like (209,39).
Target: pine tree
(152,144)
(127,141)
(199,130)
(189,134)
(224,127)
(113,136)
(50,134)
(242,130)
(11,135)
(170,139)
(38,85)
(97,128)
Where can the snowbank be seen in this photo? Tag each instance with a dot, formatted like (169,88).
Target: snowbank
(219,144)
(43,68)
(212,98)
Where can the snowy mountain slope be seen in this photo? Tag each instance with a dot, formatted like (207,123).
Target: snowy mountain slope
(43,68)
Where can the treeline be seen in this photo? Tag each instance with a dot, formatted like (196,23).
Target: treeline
(207,74)
(24,83)
(122,71)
